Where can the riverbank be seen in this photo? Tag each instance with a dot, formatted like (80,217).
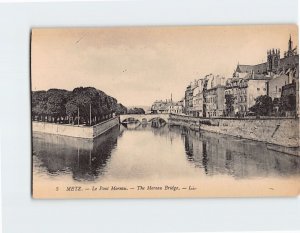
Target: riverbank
(277,131)
(88,132)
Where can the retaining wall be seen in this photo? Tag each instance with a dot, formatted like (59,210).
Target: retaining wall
(74,130)
(279,131)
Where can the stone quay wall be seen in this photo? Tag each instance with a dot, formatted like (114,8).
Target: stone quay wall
(74,130)
(278,131)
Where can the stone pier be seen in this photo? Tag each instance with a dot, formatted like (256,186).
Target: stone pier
(80,131)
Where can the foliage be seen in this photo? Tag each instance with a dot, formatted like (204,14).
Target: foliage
(63,103)
(263,106)
(121,109)
(56,100)
(136,111)
(229,102)
(287,103)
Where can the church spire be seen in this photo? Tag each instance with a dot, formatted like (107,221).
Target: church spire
(290,43)
(291,51)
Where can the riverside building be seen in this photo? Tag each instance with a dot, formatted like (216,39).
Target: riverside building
(269,78)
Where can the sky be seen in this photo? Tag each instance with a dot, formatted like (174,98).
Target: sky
(138,65)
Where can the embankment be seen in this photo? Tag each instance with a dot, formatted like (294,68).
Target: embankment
(278,131)
(73,130)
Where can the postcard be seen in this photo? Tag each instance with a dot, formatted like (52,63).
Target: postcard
(165,112)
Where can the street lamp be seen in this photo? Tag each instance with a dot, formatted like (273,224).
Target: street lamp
(78,116)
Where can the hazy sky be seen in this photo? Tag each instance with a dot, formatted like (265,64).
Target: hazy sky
(138,65)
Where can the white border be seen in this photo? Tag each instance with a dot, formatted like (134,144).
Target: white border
(22,214)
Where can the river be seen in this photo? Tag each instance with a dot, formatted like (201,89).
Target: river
(144,154)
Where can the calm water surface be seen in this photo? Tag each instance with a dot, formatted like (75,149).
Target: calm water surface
(143,152)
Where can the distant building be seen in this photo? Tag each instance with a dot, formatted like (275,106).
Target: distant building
(168,106)
(269,78)
(160,106)
(274,64)
(177,108)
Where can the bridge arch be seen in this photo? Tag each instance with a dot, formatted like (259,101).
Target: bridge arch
(144,117)
(130,119)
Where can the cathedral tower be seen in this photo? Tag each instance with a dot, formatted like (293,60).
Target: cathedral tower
(273,59)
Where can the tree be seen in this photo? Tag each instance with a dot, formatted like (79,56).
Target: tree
(287,103)
(229,102)
(136,111)
(93,105)
(56,104)
(121,109)
(39,104)
(263,106)
(79,102)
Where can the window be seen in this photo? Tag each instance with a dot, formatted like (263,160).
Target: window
(279,89)
(264,89)
(258,89)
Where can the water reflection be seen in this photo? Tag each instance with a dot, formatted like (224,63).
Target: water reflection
(241,158)
(143,151)
(82,158)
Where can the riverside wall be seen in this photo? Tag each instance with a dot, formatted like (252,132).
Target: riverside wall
(278,131)
(89,132)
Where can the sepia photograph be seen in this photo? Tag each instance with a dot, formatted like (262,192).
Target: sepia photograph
(165,111)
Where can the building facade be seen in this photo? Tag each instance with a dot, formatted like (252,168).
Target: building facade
(269,78)
(188,100)
(198,98)
(275,85)
(166,107)
(215,101)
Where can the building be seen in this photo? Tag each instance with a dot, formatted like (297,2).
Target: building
(198,101)
(269,78)
(275,85)
(188,99)
(256,86)
(214,101)
(177,108)
(206,93)
(275,64)
(214,96)
(198,98)
(289,97)
(166,107)
(206,96)
(245,90)
(237,88)
(160,106)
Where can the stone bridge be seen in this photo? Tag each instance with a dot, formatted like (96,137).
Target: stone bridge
(141,117)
